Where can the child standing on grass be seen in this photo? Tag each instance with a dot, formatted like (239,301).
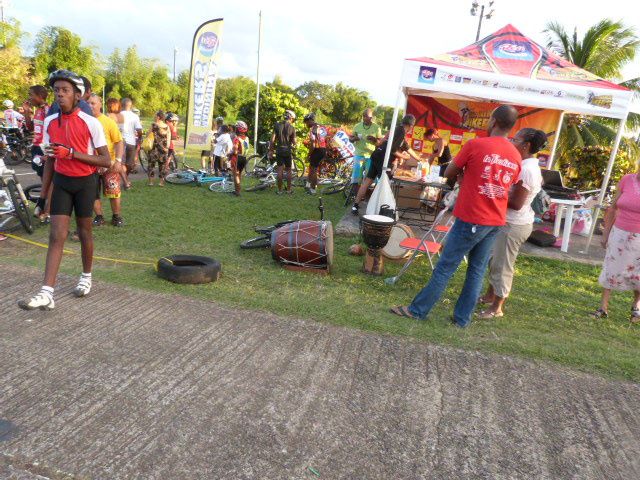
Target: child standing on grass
(222,149)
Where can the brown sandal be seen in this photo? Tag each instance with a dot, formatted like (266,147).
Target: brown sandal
(403,312)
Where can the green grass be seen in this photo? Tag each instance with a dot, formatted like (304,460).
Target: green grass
(546,317)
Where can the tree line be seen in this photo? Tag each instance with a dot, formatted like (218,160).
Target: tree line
(124,73)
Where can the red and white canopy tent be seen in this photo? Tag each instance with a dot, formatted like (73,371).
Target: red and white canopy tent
(509,68)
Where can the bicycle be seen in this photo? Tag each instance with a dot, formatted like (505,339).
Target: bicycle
(264,239)
(268,179)
(17,148)
(190,176)
(258,163)
(16,205)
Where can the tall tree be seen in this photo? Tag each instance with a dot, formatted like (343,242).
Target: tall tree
(231,95)
(57,47)
(316,97)
(604,50)
(16,70)
(349,103)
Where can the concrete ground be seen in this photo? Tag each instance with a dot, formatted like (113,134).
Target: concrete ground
(128,384)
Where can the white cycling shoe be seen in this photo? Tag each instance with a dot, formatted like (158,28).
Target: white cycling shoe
(39,300)
(83,288)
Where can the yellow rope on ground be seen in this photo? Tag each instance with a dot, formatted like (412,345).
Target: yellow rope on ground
(70,252)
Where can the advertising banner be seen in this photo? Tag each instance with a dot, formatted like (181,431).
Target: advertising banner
(205,54)
(459,121)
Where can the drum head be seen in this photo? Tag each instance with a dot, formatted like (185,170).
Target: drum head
(378,219)
(392,250)
(329,242)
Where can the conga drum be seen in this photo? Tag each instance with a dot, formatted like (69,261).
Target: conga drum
(393,250)
(304,244)
(376,230)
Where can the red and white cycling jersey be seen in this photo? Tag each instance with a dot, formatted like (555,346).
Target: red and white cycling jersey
(79,131)
(12,118)
(38,124)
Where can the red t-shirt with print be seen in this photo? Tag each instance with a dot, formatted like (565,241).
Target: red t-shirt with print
(79,131)
(491,165)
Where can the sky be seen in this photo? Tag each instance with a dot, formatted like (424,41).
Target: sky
(359,43)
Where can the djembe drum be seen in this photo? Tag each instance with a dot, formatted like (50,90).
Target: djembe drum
(376,230)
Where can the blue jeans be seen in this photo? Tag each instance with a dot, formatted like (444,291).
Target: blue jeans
(474,241)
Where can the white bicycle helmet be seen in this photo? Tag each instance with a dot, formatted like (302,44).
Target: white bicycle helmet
(7,104)
(70,77)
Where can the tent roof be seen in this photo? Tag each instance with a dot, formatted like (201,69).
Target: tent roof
(509,67)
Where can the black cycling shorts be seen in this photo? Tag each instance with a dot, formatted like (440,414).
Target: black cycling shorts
(316,156)
(73,194)
(284,159)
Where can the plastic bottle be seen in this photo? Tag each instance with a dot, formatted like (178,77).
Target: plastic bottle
(419,170)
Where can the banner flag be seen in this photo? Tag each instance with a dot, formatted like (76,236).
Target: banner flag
(205,55)
(458,121)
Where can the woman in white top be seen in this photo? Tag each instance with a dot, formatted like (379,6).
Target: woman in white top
(222,148)
(519,225)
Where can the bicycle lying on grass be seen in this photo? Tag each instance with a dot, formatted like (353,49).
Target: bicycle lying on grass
(197,177)
(264,239)
(257,164)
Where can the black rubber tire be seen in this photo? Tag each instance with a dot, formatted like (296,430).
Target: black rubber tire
(254,161)
(263,241)
(143,160)
(258,187)
(33,192)
(189,269)
(22,210)
(334,188)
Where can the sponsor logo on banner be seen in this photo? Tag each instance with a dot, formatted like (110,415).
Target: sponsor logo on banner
(513,50)
(427,74)
(208,44)
(603,101)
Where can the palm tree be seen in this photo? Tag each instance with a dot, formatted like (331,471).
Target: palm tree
(604,50)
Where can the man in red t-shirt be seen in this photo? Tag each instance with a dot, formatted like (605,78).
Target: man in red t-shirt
(35,111)
(489,166)
(75,145)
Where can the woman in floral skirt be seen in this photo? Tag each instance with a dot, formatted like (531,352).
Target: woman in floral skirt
(621,238)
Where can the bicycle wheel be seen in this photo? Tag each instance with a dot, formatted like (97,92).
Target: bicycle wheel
(258,187)
(12,157)
(222,187)
(263,241)
(143,160)
(298,167)
(21,209)
(33,192)
(180,178)
(255,161)
(334,188)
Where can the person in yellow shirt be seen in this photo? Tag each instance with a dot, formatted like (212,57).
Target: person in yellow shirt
(110,177)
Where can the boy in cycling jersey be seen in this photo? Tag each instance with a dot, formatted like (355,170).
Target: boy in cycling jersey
(76,142)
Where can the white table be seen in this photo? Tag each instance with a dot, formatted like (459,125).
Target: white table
(563,205)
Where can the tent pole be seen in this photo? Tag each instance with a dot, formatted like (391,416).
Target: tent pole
(605,180)
(552,157)
(394,121)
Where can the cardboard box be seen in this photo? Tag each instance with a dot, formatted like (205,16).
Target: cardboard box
(409,196)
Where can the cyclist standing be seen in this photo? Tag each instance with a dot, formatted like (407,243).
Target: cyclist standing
(172,121)
(76,141)
(35,111)
(132,134)
(317,149)
(283,140)
(12,118)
